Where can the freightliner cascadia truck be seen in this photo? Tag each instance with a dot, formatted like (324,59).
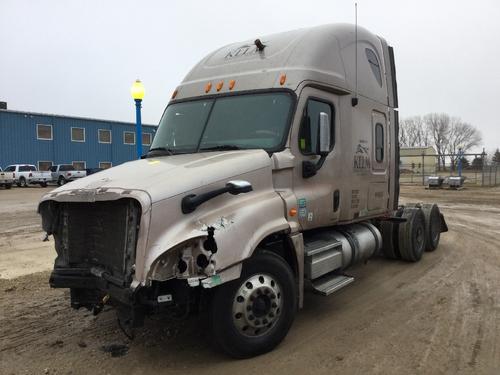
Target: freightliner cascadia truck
(274,170)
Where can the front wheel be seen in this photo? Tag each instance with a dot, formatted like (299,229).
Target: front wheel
(8,186)
(61,181)
(252,315)
(22,182)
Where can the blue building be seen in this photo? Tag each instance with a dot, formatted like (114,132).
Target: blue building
(44,140)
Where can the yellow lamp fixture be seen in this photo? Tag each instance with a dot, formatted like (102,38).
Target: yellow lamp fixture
(137,90)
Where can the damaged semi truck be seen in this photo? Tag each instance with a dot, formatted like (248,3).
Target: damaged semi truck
(273,170)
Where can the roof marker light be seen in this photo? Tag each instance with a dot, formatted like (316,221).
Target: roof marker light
(208,87)
(174,94)
(219,85)
(282,79)
(231,84)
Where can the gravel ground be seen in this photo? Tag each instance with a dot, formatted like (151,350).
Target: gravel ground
(438,316)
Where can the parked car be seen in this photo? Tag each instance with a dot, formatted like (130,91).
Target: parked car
(92,170)
(6,179)
(27,174)
(64,173)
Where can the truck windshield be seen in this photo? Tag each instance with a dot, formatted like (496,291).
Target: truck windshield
(227,123)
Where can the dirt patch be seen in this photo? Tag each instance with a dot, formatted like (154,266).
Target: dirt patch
(438,316)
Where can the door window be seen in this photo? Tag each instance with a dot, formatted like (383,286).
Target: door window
(379,143)
(309,127)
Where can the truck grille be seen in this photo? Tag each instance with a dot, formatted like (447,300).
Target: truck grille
(102,235)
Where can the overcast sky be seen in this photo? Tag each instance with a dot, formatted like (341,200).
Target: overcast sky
(80,57)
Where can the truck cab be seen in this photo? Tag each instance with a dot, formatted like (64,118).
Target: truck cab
(273,170)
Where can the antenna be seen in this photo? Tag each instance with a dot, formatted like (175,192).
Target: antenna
(354,101)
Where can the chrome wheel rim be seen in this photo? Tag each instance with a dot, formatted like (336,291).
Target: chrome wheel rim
(257,305)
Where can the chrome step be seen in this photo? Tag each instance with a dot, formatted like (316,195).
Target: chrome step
(328,284)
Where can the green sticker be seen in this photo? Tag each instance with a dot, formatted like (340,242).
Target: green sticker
(215,280)
(302,202)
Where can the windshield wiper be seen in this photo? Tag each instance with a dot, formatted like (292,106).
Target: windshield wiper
(221,148)
(168,151)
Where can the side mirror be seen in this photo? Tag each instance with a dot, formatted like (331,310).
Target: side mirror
(239,186)
(324,136)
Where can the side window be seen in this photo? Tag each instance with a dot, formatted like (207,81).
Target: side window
(10,168)
(374,64)
(379,142)
(309,127)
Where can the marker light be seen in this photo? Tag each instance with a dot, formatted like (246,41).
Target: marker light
(282,79)
(219,85)
(231,84)
(174,94)
(292,212)
(208,87)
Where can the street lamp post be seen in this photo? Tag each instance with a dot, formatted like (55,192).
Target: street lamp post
(137,92)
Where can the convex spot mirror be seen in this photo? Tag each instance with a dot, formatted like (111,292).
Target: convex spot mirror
(324,136)
(239,186)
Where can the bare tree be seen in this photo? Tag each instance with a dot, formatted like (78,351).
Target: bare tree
(413,132)
(438,125)
(461,136)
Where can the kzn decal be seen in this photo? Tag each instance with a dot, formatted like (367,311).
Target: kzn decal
(361,157)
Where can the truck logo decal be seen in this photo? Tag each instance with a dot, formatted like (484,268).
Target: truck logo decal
(361,157)
(244,50)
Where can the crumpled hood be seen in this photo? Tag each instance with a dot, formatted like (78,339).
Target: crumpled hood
(167,176)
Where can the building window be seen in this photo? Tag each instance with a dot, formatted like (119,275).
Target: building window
(44,165)
(379,143)
(309,128)
(129,138)
(146,139)
(104,136)
(44,132)
(77,135)
(78,165)
(105,164)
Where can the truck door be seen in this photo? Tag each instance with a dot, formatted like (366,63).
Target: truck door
(379,184)
(318,197)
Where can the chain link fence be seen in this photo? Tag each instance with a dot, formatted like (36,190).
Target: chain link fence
(416,169)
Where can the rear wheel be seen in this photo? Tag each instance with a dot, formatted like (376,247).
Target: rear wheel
(412,234)
(43,184)
(252,315)
(432,226)
(22,182)
(8,186)
(389,231)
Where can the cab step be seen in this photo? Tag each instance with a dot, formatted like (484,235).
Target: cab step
(322,255)
(329,284)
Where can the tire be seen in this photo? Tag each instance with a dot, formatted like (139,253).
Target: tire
(245,327)
(43,184)
(390,244)
(412,235)
(22,182)
(8,186)
(432,226)
(61,181)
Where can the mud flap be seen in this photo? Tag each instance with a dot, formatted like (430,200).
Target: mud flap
(444,226)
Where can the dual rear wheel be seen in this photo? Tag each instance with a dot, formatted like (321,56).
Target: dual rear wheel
(408,240)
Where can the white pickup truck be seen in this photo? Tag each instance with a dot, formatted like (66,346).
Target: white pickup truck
(27,174)
(64,173)
(6,179)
